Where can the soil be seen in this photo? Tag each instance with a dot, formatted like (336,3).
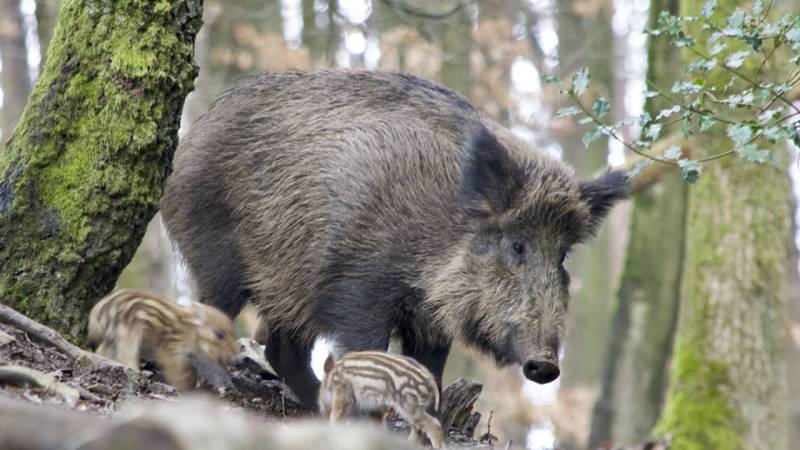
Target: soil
(104,388)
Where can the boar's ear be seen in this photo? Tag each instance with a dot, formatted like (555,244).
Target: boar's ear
(492,179)
(328,364)
(602,193)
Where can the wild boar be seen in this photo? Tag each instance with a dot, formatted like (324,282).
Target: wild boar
(128,325)
(354,204)
(376,381)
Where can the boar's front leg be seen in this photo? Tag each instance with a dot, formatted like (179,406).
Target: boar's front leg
(291,358)
(432,356)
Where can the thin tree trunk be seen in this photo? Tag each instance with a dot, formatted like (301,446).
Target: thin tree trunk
(728,377)
(46,16)
(644,318)
(83,173)
(16,81)
(586,40)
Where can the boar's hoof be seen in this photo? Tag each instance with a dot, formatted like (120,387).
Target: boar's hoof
(541,372)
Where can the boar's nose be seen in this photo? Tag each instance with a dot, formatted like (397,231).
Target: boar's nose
(541,372)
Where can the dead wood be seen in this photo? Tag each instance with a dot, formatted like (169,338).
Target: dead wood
(457,413)
(48,336)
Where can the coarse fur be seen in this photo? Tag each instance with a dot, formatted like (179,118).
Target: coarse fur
(128,325)
(376,381)
(355,204)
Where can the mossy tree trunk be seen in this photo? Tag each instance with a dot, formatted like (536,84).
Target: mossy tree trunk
(643,324)
(728,376)
(83,172)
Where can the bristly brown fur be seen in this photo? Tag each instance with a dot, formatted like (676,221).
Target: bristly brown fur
(128,325)
(355,204)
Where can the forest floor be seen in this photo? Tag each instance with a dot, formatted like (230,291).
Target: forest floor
(58,380)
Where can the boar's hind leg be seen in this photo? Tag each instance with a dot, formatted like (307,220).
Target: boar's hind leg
(291,358)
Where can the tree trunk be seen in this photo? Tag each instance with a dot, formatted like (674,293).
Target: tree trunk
(83,172)
(46,16)
(728,376)
(16,80)
(643,324)
(586,40)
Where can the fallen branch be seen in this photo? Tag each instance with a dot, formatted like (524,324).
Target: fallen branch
(20,376)
(50,337)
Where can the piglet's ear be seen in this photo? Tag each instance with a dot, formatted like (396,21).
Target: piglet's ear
(328,364)
(492,179)
(602,193)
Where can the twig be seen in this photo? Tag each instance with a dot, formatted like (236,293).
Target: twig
(51,337)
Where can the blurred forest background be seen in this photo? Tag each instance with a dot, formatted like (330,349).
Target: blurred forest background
(625,308)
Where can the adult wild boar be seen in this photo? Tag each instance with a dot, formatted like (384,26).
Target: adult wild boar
(355,204)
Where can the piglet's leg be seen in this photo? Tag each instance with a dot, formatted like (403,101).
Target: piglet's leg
(340,406)
(431,427)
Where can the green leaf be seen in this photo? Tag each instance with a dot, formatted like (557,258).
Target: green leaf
(637,168)
(585,120)
(550,79)
(740,134)
(580,82)
(709,7)
(716,48)
(590,136)
(568,111)
(686,126)
(758,6)
(707,122)
(653,131)
(664,113)
(793,37)
(600,107)
(651,94)
(690,169)
(751,152)
(736,20)
(736,60)
(685,87)
(778,132)
(674,152)
(769,114)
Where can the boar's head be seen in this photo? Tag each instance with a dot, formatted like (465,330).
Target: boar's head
(504,289)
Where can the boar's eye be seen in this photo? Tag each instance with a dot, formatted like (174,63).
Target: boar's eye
(518,248)
(219,334)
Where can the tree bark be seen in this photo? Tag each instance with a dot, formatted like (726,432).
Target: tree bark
(643,323)
(83,172)
(16,80)
(728,377)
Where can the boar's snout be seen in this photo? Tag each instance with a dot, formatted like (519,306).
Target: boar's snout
(540,371)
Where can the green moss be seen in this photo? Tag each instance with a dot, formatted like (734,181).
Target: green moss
(85,168)
(698,415)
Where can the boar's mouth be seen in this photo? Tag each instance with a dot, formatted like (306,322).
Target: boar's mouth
(502,348)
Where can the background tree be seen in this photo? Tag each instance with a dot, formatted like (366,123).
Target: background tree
(640,341)
(16,82)
(83,172)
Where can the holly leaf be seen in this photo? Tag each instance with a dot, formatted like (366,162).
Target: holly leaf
(638,168)
(590,136)
(690,169)
(736,60)
(751,152)
(653,131)
(580,82)
(674,152)
(600,107)
(707,122)
(740,134)
(709,7)
(568,111)
(664,113)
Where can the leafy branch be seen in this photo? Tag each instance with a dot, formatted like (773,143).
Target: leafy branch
(727,86)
